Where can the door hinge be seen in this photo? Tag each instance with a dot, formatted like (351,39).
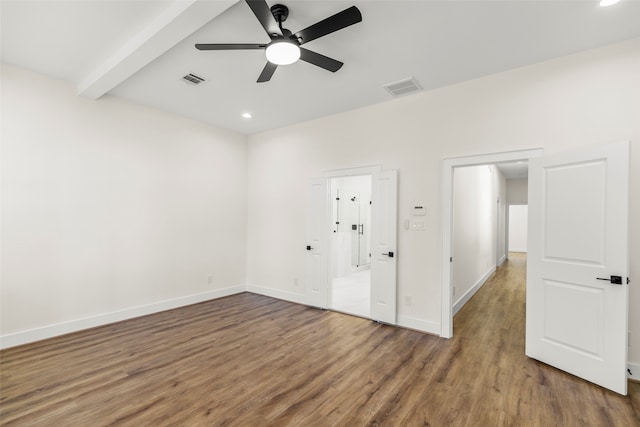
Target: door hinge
(450,259)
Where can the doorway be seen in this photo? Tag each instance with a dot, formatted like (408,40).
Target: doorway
(576,309)
(350,245)
(381,243)
(477,246)
(449,167)
(481,233)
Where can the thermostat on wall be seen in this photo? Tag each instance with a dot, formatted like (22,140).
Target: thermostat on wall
(419,211)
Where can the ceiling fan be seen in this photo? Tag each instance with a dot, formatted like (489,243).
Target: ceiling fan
(285,46)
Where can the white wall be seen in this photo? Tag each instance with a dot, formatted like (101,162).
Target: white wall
(109,206)
(581,100)
(476,190)
(518,190)
(110,209)
(518,215)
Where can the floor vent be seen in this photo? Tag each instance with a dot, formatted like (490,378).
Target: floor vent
(193,79)
(403,87)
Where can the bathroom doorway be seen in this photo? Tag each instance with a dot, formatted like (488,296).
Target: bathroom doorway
(350,246)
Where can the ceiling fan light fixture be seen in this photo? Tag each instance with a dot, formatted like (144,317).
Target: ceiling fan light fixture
(283,52)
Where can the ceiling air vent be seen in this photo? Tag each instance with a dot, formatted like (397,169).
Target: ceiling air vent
(193,79)
(403,87)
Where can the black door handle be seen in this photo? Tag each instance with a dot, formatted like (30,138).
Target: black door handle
(309,248)
(390,254)
(615,280)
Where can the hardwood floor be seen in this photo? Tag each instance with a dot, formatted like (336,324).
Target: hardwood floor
(249,360)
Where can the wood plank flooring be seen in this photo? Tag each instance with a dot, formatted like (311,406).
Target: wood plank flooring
(249,360)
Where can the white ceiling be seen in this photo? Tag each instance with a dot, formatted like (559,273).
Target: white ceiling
(139,50)
(517,170)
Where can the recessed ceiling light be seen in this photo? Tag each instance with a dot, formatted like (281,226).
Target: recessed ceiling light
(604,3)
(246,115)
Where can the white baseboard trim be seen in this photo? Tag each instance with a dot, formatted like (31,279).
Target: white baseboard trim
(419,324)
(471,292)
(635,371)
(49,331)
(502,259)
(402,321)
(277,293)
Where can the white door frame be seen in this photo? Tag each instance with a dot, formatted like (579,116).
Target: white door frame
(328,175)
(448,166)
(498,217)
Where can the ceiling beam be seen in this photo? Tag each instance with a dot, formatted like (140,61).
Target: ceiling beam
(173,25)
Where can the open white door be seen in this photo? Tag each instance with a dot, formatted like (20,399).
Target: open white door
(384,200)
(316,257)
(578,213)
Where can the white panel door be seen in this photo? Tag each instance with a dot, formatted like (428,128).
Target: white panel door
(578,213)
(316,256)
(384,200)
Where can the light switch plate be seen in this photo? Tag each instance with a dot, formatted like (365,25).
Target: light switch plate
(417,225)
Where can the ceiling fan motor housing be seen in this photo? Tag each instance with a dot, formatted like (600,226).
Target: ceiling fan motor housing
(280,12)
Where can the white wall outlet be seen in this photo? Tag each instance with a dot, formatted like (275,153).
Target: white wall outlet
(209,279)
(407,300)
(296,282)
